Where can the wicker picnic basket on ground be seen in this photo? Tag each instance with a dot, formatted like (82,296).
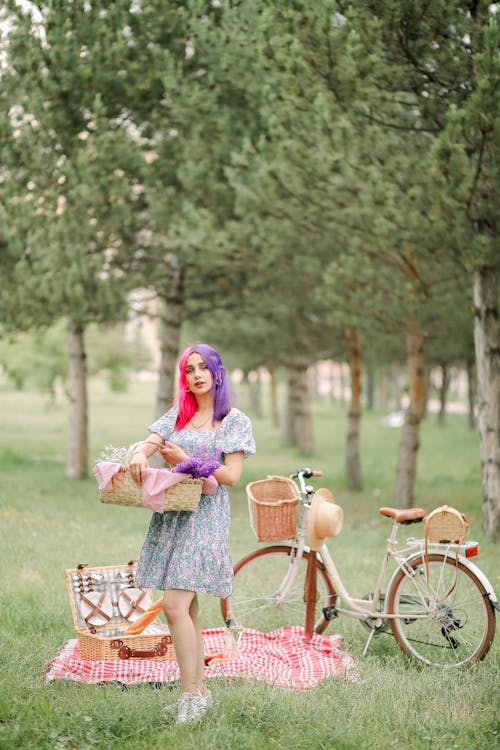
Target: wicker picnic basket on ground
(446,525)
(184,495)
(103,602)
(273,507)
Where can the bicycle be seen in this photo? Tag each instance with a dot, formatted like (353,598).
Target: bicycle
(439,606)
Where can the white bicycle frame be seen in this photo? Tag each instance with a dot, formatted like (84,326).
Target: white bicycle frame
(365,609)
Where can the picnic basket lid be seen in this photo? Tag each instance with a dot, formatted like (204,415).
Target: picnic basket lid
(105,596)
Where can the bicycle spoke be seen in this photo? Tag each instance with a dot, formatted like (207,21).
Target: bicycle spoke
(444,618)
(269,569)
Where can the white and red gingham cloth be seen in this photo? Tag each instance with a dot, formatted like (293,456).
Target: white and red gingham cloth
(284,658)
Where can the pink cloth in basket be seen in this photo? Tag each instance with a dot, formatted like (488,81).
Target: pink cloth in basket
(159,480)
(155,484)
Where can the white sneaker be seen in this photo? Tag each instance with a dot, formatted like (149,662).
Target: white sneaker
(170,708)
(208,698)
(192,706)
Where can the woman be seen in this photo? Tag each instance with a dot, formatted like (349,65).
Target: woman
(188,552)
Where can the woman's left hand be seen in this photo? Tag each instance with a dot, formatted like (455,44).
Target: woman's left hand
(172,454)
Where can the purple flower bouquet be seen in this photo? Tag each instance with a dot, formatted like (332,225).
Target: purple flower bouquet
(200,464)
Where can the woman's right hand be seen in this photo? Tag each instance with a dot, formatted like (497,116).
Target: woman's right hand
(138,466)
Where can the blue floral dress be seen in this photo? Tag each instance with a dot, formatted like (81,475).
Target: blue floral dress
(190,550)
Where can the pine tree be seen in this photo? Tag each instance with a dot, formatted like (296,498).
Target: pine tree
(436,72)
(70,209)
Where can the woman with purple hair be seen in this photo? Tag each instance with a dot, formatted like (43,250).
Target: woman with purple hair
(188,552)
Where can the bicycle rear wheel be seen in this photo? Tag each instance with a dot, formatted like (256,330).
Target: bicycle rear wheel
(446,620)
(255,602)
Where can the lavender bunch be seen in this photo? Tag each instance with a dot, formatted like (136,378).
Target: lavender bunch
(200,464)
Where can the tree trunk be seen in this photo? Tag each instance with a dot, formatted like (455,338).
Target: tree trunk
(273,396)
(383,389)
(332,386)
(342,384)
(396,387)
(314,382)
(408,449)
(370,387)
(52,395)
(76,463)
(353,465)
(253,382)
(171,317)
(471,393)
(299,424)
(443,393)
(427,389)
(288,426)
(487,346)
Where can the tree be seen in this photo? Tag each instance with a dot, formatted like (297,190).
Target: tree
(437,72)
(25,360)
(350,196)
(378,83)
(196,103)
(71,209)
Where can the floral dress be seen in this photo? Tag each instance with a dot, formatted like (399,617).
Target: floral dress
(190,550)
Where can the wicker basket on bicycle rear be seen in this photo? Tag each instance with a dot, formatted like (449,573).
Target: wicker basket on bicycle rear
(446,525)
(273,506)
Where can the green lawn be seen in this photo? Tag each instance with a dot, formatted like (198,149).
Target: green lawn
(49,523)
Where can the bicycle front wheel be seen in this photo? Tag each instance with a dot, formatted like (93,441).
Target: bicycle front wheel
(257,602)
(445,619)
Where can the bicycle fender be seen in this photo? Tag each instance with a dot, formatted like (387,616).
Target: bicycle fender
(484,580)
(467,564)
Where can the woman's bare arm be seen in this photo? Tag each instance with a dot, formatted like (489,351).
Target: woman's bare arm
(230,471)
(142,452)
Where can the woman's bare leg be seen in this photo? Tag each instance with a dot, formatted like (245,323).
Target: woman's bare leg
(200,675)
(177,605)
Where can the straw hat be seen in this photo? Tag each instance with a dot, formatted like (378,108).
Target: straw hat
(325,519)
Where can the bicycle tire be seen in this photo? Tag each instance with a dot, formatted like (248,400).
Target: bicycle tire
(460,623)
(257,577)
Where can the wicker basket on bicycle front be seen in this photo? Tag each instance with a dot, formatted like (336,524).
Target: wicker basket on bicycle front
(273,507)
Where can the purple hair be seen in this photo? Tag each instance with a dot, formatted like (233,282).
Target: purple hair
(220,387)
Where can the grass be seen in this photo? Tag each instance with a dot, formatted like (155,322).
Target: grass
(49,523)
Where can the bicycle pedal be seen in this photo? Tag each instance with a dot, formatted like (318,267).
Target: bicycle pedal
(330,612)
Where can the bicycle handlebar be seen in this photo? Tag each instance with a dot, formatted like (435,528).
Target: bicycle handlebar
(307,473)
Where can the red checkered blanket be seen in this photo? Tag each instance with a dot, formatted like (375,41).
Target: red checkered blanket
(285,658)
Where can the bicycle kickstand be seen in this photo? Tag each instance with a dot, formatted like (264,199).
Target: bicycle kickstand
(369,640)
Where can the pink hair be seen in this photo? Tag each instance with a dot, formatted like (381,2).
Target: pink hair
(220,388)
